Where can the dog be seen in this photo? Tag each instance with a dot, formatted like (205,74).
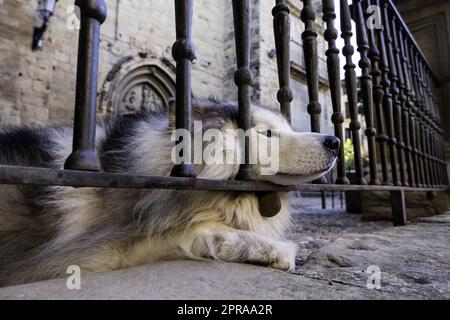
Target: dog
(44,230)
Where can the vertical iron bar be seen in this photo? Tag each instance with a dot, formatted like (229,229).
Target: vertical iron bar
(282,31)
(420,103)
(333,66)
(399,101)
(269,202)
(378,95)
(394,92)
(410,116)
(413,112)
(243,76)
(432,129)
(351,88)
(183,52)
(83,156)
(309,37)
(423,124)
(398,208)
(387,99)
(406,106)
(366,88)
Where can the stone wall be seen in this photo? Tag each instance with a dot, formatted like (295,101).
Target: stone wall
(38,88)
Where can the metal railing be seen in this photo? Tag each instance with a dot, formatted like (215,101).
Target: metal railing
(403,128)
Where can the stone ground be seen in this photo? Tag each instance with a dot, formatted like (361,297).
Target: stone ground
(336,249)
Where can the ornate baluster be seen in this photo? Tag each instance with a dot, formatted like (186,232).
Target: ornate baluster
(412,110)
(438,130)
(394,91)
(407,108)
(429,127)
(419,126)
(333,66)
(83,156)
(309,37)
(366,88)
(387,101)
(351,86)
(433,129)
(426,159)
(269,202)
(183,53)
(282,27)
(243,76)
(441,164)
(399,102)
(378,95)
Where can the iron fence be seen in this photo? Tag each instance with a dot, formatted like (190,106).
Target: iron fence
(403,127)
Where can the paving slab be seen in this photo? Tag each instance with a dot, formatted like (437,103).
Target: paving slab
(337,251)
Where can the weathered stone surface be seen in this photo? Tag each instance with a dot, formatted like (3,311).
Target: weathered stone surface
(337,249)
(414,260)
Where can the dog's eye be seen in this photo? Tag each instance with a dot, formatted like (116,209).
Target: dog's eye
(267,133)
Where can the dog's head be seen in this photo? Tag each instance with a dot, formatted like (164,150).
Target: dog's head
(277,153)
(293,157)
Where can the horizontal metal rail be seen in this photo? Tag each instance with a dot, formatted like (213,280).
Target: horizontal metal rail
(54,177)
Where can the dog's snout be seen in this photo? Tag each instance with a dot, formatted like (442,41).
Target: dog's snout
(332,143)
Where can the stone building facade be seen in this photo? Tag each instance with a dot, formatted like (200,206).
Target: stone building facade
(136,66)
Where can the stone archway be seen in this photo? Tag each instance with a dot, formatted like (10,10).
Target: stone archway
(135,86)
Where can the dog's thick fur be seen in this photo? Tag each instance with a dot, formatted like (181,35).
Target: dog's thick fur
(43,230)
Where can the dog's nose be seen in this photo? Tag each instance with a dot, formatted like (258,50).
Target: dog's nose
(332,143)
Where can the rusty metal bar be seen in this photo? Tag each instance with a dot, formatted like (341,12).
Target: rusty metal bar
(242,11)
(54,177)
(433,132)
(333,67)
(388,108)
(398,208)
(83,156)
(395,92)
(408,115)
(351,88)
(366,88)
(397,78)
(183,52)
(423,122)
(378,95)
(405,155)
(309,36)
(413,112)
(282,31)
(420,102)
(269,203)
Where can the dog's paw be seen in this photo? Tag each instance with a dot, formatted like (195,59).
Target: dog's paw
(285,257)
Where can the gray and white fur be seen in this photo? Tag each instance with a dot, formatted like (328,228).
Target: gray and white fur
(43,230)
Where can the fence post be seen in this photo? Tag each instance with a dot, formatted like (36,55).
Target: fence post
(281,27)
(83,156)
(398,208)
(183,52)
(269,202)
(366,88)
(351,86)
(333,66)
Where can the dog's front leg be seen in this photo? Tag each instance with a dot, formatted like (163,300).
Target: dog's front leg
(226,244)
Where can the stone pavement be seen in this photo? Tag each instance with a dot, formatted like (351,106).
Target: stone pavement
(336,250)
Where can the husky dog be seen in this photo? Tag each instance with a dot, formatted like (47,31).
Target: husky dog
(44,230)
